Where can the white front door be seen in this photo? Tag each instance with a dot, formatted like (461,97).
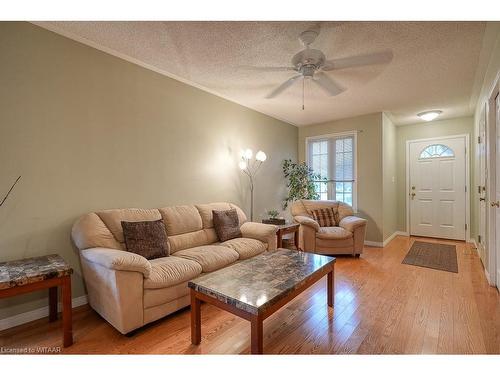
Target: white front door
(437,188)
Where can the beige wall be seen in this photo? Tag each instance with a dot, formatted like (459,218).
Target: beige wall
(389,157)
(463,125)
(88,131)
(369,155)
(492,38)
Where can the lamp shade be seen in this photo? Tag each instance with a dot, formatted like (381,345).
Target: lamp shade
(248,153)
(242,164)
(261,156)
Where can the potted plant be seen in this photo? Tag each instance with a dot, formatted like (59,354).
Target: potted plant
(301,182)
(273,218)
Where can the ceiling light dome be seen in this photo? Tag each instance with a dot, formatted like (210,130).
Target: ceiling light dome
(429,115)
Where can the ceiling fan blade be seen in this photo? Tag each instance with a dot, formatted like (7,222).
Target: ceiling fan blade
(278,90)
(382,57)
(327,84)
(267,68)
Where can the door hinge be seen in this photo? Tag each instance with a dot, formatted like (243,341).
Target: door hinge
(479,139)
(479,238)
(465,226)
(466,189)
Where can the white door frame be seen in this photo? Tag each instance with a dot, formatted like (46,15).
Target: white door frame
(467,178)
(491,151)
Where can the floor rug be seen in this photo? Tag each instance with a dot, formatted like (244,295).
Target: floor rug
(433,255)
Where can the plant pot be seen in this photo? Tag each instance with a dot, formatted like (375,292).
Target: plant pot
(274,221)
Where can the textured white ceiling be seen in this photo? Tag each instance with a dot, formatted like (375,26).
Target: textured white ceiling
(434,64)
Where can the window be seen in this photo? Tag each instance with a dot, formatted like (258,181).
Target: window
(436,151)
(333,158)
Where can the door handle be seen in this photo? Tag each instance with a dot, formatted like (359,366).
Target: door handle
(495,204)
(482,199)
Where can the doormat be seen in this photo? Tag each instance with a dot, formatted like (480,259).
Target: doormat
(433,255)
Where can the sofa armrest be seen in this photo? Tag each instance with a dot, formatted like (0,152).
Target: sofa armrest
(117,260)
(262,232)
(350,223)
(304,220)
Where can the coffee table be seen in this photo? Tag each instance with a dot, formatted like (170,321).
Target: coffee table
(255,288)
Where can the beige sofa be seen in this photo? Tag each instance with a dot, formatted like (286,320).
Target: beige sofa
(346,238)
(130,291)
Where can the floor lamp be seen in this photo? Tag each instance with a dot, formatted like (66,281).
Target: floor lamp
(250,167)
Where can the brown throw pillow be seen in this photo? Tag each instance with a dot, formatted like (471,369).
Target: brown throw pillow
(325,217)
(146,238)
(226,224)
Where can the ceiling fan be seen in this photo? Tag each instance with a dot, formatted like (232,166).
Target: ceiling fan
(311,64)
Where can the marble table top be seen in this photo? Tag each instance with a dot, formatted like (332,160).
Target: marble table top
(31,270)
(257,283)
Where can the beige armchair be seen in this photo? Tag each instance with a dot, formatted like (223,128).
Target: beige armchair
(346,238)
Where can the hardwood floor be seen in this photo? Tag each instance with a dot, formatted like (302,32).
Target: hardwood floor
(381,306)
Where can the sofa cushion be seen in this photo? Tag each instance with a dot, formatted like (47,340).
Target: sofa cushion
(246,247)
(210,258)
(170,271)
(226,224)
(333,233)
(146,238)
(205,211)
(181,219)
(113,218)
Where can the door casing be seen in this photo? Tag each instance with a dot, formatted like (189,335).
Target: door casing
(467,178)
(491,151)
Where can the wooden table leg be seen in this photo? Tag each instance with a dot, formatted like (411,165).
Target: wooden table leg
(53,304)
(66,311)
(195,319)
(257,333)
(330,287)
(280,239)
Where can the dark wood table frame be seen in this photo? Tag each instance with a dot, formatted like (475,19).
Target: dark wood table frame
(287,229)
(256,320)
(64,283)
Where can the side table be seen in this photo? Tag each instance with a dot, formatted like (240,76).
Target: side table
(44,272)
(287,229)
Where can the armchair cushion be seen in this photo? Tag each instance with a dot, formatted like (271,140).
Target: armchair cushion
(304,220)
(258,231)
(333,233)
(117,260)
(326,217)
(350,223)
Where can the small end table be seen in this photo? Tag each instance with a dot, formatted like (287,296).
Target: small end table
(45,272)
(287,229)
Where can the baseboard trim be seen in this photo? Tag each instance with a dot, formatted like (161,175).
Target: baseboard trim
(42,312)
(473,241)
(374,244)
(387,240)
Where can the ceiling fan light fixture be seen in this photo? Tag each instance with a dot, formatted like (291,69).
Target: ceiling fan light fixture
(429,115)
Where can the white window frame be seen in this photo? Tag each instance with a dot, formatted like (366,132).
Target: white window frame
(352,133)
